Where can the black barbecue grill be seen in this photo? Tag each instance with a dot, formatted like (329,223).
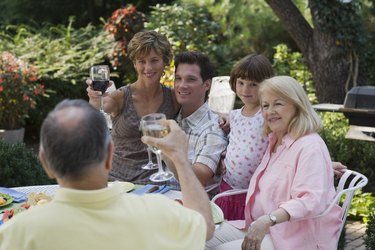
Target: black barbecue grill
(359,108)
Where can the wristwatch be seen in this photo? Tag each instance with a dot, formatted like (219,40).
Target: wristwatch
(272,219)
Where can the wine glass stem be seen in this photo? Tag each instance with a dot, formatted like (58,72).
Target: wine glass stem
(160,165)
(101,104)
(149,155)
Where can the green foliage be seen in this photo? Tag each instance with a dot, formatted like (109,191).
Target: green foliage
(57,11)
(356,154)
(123,24)
(343,20)
(20,166)
(188,27)
(345,23)
(368,17)
(248,26)
(191,27)
(370,232)
(361,206)
(62,56)
(19,90)
(59,52)
(286,62)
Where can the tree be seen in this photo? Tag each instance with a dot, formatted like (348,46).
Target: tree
(59,11)
(332,45)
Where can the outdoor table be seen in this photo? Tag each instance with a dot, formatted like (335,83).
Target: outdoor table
(50,190)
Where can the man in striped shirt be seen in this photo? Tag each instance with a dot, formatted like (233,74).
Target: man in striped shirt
(193,76)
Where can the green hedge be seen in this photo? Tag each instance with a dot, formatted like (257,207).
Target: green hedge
(358,155)
(370,232)
(20,166)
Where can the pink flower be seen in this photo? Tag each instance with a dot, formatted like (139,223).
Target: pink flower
(18,90)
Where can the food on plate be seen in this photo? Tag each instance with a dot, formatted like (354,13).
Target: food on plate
(25,205)
(2,200)
(42,201)
(8,214)
(38,199)
(32,200)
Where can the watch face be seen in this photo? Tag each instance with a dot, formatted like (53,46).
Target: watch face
(272,218)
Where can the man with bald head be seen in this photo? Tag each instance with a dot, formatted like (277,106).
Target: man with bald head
(76,149)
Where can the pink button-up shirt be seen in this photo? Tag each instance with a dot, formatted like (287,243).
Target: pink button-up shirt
(298,177)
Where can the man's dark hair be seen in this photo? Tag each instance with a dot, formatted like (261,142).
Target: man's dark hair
(203,61)
(74,138)
(195,57)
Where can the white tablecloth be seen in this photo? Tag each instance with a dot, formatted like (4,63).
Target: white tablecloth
(51,189)
(172,194)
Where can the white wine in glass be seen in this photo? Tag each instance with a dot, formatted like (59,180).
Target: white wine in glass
(153,125)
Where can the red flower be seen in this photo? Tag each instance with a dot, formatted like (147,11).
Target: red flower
(122,25)
(18,90)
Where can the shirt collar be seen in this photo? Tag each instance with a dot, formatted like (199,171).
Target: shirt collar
(88,196)
(193,120)
(287,140)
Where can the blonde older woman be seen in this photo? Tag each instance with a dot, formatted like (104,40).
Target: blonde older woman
(294,181)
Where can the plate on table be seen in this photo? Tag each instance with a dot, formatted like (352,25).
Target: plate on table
(128,186)
(217,213)
(8,199)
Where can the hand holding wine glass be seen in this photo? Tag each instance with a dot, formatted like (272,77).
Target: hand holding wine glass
(154,125)
(99,75)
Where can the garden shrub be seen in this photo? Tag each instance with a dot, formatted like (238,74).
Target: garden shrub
(253,28)
(361,206)
(286,62)
(191,27)
(358,155)
(123,24)
(58,52)
(62,55)
(20,166)
(370,232)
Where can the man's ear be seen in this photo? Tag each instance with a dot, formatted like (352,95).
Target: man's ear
(45,166)
(207,84)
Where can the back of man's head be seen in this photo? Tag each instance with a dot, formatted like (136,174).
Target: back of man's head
(74,138)
(195,57)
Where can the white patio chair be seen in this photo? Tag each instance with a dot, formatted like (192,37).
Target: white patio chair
(229,193)
(221,97)
(349,182)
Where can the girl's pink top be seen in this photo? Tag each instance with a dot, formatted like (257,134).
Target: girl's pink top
(245,149)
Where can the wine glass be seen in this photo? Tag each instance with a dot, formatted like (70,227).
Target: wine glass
(150,165)
(99,75)
(152,125)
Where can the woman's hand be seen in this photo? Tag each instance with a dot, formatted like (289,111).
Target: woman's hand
(338,168)
(256,232)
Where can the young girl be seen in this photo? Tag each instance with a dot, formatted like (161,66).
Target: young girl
(246,143)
